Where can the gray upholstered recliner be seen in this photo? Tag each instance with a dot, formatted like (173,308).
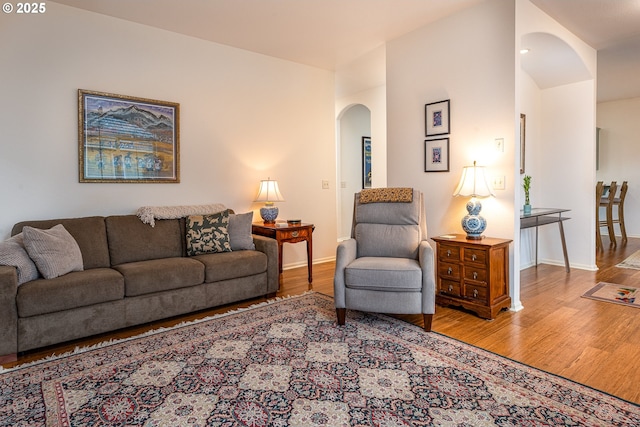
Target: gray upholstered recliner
(388,265)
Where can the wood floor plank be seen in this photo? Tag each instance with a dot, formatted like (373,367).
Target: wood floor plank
(592,342)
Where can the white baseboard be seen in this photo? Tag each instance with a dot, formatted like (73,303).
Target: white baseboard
(304,263)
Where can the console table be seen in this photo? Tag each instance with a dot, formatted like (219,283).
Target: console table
(288,234)
(544,216)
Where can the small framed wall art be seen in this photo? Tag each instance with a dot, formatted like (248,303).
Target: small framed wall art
(366,162)
(127,139)
(436,155)
(437,118)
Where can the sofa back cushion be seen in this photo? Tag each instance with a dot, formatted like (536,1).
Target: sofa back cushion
(89,232)
(131,240)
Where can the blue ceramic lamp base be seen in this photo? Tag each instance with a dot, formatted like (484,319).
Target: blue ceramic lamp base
(473,224)
(269,214)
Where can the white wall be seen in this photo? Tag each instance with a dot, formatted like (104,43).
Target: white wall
(566,178)
(362,82)
(354,124)
(619,154)
(244,117)
(469,59)
(560,149)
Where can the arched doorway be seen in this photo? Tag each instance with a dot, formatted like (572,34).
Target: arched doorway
(354,123)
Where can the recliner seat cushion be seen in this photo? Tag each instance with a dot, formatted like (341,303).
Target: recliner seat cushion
(231,265)
(384,274)
(73,290)
(156,275)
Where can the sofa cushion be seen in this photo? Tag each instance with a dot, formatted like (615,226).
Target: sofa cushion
(73,290)
(89,232)
(13,253)
(230,265)
(240,237)
(131,240)
(144,277)
(374,273)
(208,233)
(54,251)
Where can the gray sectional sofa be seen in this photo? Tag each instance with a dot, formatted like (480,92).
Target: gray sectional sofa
(133,274)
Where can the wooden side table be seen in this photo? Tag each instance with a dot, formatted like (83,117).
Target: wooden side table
(289,234)
(473,274)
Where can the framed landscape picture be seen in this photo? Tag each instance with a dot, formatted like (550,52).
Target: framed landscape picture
(436,155)
(437,120)
(127,139)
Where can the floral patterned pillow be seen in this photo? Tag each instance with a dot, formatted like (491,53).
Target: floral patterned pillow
(208,233)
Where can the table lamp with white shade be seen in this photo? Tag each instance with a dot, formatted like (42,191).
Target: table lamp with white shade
(473,183)
(269,193)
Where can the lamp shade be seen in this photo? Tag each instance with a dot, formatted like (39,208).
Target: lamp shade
(269,192)
(473,182)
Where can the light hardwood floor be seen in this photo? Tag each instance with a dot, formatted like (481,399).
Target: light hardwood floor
(590,342)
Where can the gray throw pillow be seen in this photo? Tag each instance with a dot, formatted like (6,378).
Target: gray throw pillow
(54,251)
(13,253)
(208,233)
(240,232)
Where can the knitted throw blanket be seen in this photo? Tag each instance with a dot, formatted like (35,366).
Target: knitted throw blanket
(386,195)
(149,214)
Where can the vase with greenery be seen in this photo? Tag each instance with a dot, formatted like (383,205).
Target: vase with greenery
(526,185)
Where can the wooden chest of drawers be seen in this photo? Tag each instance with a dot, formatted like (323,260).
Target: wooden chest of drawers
(473,274)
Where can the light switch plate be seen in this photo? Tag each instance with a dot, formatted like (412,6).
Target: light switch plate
(497,183)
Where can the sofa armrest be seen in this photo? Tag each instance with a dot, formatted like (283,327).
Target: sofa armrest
(269,247)
(8,311)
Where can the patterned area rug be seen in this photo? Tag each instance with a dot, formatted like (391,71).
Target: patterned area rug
(287,364)
(631,262)
(610,292)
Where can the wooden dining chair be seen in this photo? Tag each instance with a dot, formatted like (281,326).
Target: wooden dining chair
(599,193)
(607,203)
(619,202)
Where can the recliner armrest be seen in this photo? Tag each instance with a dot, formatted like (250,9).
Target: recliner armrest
(345,254)
(426,258)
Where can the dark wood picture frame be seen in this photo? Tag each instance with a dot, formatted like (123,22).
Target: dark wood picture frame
(124,139)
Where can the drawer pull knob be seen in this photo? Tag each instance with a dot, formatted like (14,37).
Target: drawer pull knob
(473,257)
(475,275)
(449,271)
(450,288)
(448,252)
(475,293)
(294,234)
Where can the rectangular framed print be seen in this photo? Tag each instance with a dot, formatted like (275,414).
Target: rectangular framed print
(436,155)
(124,139)
(437,118)
(366,162)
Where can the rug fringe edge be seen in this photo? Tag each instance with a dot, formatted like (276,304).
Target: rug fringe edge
(83,349)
